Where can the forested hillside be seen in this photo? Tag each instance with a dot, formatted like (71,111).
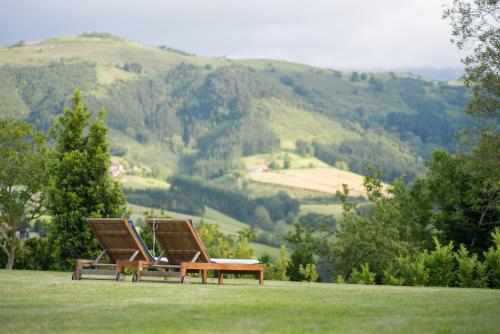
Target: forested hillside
(177,113)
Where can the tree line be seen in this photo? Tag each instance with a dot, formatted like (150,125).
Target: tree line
(259,212)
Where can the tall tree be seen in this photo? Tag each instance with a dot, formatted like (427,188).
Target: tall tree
(476,26)
(466,186)
(23,162)
(80,186)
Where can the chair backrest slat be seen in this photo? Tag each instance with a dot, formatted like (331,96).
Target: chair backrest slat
(179,240)
(117,237)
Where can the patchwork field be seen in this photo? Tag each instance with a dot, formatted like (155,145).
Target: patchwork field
(326,180)
(49,302)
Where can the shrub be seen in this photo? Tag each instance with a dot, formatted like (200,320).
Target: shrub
(309,272)
(34,254)
(492,259)
(220,245)
(365,276)
(481,280)
(42,254)
(440,263)
(340,279)
(420,271)
(407,271)
(392,277)
(466,265)
(275,270)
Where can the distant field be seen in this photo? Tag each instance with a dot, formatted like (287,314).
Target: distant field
(49,302)
(326,180)
(257,189)
(135,181)
(324,209)
(296,160)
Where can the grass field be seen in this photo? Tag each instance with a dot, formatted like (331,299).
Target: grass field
(324,209)
(139,182)
(326,180)
(49,302)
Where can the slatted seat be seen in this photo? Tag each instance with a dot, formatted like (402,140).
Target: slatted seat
(182,246)
(119,241)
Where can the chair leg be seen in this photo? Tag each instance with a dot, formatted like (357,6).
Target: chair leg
(221,277)
(140,269)
(183,275)
(78,270)
(261,277)
(204,274)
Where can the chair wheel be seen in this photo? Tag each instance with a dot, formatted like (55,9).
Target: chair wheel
(184,279)
(120,277)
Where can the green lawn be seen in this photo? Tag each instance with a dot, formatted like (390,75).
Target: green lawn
(48,302)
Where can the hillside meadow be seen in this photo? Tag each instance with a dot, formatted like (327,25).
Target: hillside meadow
(49,302)
(326,180)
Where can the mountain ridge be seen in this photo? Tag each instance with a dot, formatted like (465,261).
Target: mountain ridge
(203,115)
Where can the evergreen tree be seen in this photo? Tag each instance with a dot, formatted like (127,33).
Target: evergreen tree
(81,186)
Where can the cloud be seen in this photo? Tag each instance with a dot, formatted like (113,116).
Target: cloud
(341,34)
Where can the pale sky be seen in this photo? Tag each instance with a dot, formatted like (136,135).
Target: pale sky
(340,34)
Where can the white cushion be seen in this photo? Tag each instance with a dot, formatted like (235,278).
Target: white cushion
(238,261)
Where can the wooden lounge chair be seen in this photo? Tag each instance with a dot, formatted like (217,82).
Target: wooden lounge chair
(182,248)
(120,241)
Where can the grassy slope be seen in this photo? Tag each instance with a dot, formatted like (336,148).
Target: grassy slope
(324,209)
(290,124)
(139,182)
(48,302)
(106,53)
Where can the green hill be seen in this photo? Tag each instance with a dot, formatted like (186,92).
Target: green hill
(172,112)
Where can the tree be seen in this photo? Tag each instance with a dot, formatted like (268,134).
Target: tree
(303,148)
(220,245)
(373,240)
(475,24)
(80,185)
(354,76)
(262,218)
(23,163)
(469,216)
(307,244)
(465,190)
(287,162)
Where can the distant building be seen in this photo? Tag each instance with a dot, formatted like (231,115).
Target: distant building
(257,169)
(116,169)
